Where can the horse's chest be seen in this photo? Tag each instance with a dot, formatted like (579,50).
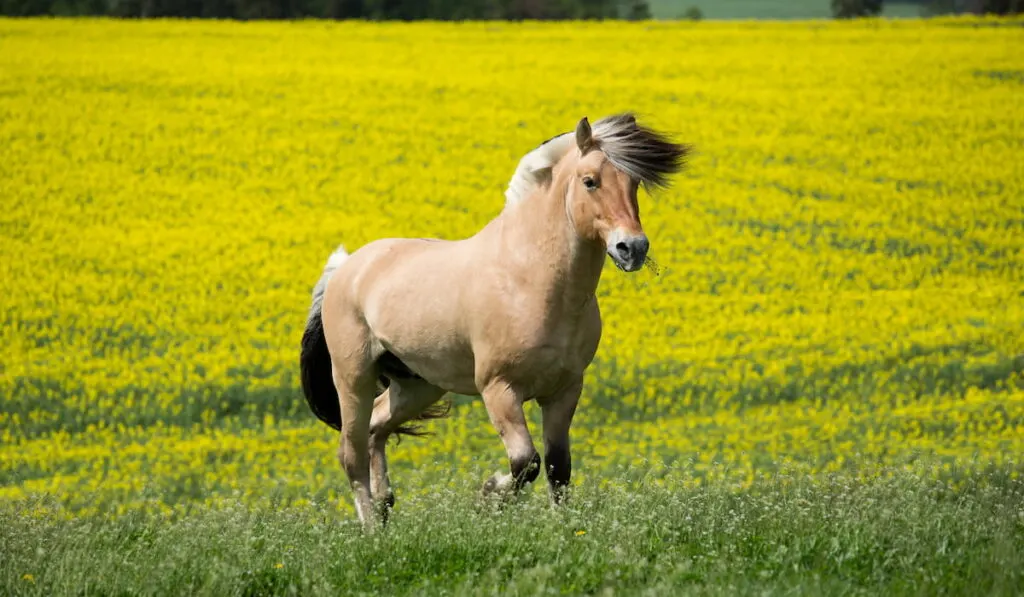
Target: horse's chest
(542,359)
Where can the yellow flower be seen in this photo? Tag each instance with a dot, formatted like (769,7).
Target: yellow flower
(823,301)
(580,533)
(279,565)
(29,578)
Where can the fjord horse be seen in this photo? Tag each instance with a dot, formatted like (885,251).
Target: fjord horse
(509,314)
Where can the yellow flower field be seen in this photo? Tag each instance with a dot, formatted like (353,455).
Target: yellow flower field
(841,278)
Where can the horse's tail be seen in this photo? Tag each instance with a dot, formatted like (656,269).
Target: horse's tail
(315,364)
(315,360)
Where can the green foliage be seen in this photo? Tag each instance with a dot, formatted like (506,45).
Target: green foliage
(638,10)
(894,534)
(848,9)
(1002,7)
(693,13)
(336,9)
(931,8)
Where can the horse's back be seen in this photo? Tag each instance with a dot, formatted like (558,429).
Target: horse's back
(383,260)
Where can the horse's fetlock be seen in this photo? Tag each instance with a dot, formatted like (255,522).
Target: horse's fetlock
(526,468)
(558,464)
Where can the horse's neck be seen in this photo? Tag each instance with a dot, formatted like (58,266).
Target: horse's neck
(564,267)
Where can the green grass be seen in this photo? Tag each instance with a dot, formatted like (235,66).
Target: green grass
(767,9)
(895,534)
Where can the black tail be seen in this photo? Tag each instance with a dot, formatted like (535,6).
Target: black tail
(317,381)
(315,365)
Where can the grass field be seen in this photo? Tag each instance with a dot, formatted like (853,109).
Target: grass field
(821,391)
(837,537)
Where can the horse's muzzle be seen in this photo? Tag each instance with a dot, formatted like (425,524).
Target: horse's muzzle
(628,252)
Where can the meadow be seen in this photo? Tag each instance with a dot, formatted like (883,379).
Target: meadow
(820,388)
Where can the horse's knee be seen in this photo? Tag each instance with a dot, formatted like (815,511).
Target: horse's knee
(526,467)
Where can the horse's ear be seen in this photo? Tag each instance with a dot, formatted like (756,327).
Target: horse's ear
(584,136)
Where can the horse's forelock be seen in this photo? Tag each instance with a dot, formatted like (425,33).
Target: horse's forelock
(644,154)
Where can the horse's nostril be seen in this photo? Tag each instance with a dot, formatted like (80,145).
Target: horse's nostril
(622,247)
(644,245)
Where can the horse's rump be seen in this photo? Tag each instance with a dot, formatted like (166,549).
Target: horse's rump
(316,366)
(408,294)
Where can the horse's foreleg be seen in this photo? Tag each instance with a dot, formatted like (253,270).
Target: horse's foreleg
(505,409)
(399,404)
(356,407)
(557,412)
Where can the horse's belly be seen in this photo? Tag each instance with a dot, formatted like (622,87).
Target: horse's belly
(410,307)
(430,346)
(451,370)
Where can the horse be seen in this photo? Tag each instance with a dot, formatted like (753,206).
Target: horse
(509,314)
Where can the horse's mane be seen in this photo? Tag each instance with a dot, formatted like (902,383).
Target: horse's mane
(534,168)
(644,154)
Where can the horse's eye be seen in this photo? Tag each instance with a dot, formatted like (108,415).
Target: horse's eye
(590,183)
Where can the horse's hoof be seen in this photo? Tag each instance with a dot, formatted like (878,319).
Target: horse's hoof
(490,485)
(382,508)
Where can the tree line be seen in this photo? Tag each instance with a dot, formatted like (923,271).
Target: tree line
(443,10)
(847,9)
(408,10)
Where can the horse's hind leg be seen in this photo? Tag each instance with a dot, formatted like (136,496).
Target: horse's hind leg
(356,399)
(403,401)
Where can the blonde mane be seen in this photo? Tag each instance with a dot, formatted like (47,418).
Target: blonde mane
(644,154)
(534,169)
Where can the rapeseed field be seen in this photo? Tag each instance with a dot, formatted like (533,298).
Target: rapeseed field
(841,267)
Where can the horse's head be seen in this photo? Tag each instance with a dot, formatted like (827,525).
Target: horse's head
(613,160)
